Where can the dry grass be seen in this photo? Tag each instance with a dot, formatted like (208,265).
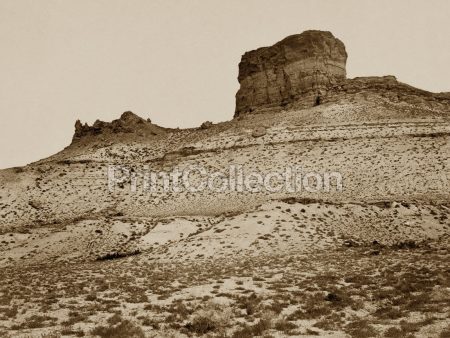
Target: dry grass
(343,291)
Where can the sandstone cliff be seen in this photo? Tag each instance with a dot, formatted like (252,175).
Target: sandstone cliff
(307,69)
(298,66)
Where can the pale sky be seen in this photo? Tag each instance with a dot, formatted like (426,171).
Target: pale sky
(177,61)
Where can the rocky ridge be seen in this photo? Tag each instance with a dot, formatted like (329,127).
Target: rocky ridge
(127,123)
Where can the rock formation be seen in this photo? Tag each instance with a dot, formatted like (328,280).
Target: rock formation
(128,123)
(300,71)
(389,88)
(308,69)
(299,66)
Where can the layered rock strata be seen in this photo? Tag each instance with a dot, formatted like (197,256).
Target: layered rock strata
(299,66)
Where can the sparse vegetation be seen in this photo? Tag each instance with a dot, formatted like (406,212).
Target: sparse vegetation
(123,329)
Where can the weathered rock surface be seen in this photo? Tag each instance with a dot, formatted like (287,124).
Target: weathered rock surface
(128,123)
(258,132)
(389,88)
(206,125)
(299,66)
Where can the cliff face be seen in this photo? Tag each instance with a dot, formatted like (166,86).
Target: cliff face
(298,72)
(299,66)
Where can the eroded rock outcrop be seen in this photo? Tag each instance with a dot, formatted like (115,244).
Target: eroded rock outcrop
(298,67)
(389,88)
(128,123)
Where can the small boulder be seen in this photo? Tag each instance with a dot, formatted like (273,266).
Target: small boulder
(206,125)
(259,131)
(332,297)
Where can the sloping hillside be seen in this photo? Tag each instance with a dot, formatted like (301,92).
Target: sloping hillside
(87,247)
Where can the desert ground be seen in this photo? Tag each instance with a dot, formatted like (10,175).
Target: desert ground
(368,261)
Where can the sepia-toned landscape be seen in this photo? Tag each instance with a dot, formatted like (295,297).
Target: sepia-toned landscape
(82,255)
